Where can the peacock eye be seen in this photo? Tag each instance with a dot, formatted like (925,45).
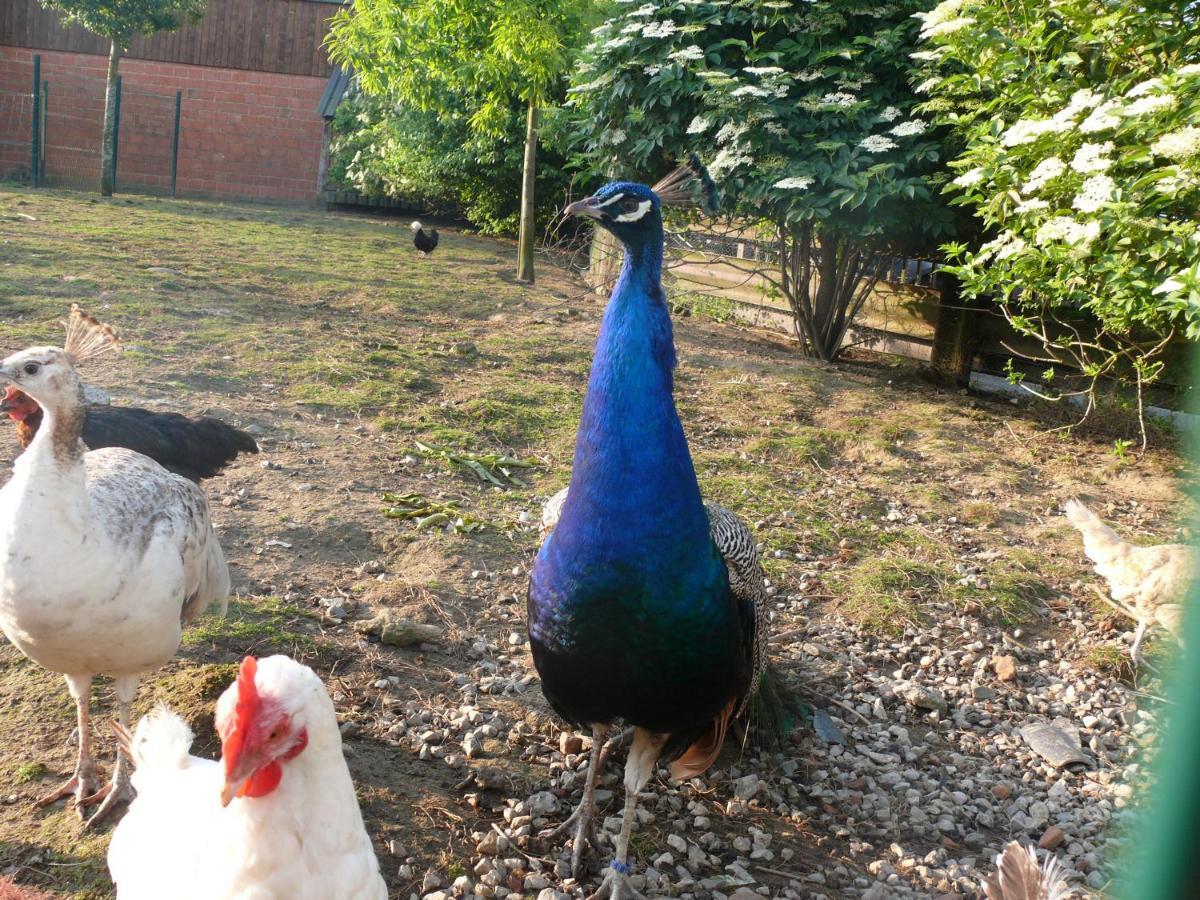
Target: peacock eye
(629,204)
(31,368)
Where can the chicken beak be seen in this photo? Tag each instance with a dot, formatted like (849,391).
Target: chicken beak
(585,207)
(231,789)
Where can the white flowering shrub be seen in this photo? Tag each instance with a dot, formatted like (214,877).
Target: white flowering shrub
(1081,153)
(804,115)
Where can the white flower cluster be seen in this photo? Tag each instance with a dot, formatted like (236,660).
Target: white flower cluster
(1094,193)
(1045,171)
(776,129)
(1105,116)
(648,9)
(970,178)
(616,43)
(728,160)
(662,29)
(763,70)
(749,90)
(699,125)
(838,98)
(904,129)
(795,182)
(633,27)
(1035,204)
(1092,158)
(730,132)
(890,113)
(691,53)
(928,55)
(1150,84)
(652,70)
(877,143)
(1149,104)
(944,28)
(810,75)
(1025,131)
(1178,145)
(1001,247)
(944,14)
(1064,229)
(616,136)
(1172,184)
(927,85)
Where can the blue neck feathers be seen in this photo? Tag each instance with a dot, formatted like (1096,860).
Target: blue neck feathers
(633,482)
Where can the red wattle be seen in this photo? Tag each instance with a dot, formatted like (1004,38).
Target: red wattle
(263,781)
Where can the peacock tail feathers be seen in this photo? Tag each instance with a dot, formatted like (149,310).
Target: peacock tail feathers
(771,713)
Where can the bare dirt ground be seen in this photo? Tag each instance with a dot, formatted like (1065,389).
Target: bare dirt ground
(888,511)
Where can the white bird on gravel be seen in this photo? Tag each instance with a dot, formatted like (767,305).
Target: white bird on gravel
(1148,584)
(105,554)
(276,819)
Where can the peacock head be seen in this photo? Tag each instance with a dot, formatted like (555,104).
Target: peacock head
(629,210)
(44,373)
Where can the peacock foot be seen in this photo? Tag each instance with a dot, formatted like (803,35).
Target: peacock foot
(581,825)
(615,885)
(82,784)
(112,795)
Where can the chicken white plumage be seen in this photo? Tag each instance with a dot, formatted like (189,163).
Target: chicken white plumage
(1148,584)
(105,557)
(275,819)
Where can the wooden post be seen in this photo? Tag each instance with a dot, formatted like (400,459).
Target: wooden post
(953,336)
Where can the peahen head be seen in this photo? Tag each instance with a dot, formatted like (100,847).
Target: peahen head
(629,210)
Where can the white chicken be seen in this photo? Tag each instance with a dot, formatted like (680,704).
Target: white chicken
(275,819)
(105,554)
(1148,584)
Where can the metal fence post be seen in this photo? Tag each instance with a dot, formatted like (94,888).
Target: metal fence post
(42,131)
(37,97)
(116,131)
(175,141)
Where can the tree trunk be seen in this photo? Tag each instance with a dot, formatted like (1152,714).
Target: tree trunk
(826,281)
(528,223)
(110,122)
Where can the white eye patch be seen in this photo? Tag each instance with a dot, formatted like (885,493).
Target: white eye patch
(636,214)
(613,199)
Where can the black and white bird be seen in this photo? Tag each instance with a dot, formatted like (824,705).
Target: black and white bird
(425,241)
(107,555)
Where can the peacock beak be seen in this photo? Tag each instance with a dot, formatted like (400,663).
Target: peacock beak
(585,207)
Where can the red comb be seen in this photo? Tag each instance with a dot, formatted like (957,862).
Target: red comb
(245,712)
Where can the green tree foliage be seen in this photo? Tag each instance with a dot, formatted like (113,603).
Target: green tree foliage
(435,56)
(383,148)
(803,112)
(1078,123)
(120,21)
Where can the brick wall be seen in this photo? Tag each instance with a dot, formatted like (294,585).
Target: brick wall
(243,134)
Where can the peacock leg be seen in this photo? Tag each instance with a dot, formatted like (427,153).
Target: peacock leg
(120,789)
(1136,650)
(638,769)
(83,783)
(582,819)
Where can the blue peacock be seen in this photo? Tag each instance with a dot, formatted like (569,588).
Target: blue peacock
(645,603)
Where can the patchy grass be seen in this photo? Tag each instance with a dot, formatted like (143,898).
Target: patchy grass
(27,772)
(266,625)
